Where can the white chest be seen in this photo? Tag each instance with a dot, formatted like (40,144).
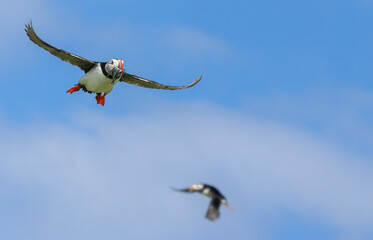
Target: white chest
(95,81)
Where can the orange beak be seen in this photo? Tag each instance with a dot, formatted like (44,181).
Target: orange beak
(121,65)
(191,189)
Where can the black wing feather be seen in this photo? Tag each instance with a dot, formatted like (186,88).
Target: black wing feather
(142,82)
(76,60)
(213,210)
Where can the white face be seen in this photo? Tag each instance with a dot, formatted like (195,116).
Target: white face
(114,68)
(112,64)
(197,186)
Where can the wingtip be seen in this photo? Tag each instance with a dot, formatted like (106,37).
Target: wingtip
(175,189)
(194,82)
(28,26)
(28,23)
(198,79)
(179,190)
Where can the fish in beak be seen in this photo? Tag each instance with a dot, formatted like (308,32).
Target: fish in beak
(117,71)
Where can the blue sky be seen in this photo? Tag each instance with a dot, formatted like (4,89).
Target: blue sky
(280,122)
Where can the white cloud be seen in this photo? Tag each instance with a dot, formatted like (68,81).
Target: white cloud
(199,43)
(112,175)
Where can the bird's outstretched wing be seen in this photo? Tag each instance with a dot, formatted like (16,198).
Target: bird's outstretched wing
(83,63)
(142,82)
(213,210)
(180,190)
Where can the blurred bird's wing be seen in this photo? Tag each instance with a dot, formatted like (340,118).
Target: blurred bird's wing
(142,82)
(213,210)
(76,60)
(180,190)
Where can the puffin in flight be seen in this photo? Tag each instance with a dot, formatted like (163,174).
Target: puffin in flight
(211,192)
(99,77)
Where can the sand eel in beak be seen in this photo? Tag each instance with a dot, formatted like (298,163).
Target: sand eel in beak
(216,198)
(99,77)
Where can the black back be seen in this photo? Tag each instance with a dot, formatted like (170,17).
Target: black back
(214,191)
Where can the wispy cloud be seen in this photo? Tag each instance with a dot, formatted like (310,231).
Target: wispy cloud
(198,42)
(110,172)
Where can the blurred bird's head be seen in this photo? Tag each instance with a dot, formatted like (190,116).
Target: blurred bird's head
(196,187)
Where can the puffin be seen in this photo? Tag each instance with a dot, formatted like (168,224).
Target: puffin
(99,77)
(211,192)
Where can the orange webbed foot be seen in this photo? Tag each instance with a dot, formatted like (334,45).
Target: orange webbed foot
(100,98)
(74,89)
